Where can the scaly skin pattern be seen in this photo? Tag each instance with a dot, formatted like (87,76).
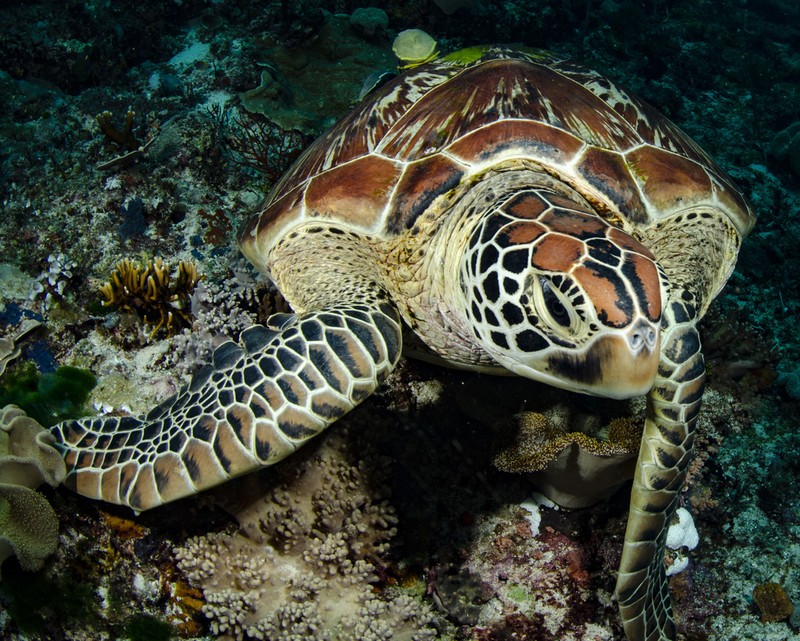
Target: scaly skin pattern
(517,213)
(259,401)
(666,449)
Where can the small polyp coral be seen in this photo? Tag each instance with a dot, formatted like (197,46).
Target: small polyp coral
(148,291)
(304,561)
(28,525)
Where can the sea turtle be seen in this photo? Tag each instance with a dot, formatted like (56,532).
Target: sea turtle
(504,209)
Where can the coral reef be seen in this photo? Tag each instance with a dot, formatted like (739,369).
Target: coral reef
(785,147)
(541,584)
(307,557)
(308,86)
(28,525)
(731,81)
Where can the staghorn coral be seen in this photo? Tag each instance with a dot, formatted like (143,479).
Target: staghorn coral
(28,525)
(148,291)
(304,561)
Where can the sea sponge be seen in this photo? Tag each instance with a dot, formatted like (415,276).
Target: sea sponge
(773,602)
(304,560)
(414,47)
(28,525)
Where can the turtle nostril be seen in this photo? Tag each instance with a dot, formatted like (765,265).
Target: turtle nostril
(642,336)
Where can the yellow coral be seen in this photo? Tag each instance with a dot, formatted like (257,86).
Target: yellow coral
(148,292)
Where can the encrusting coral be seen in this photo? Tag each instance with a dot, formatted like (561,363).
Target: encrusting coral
(772,601)
(304,562)
(28,525)
(148,291)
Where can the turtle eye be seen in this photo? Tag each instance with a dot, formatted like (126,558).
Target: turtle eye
(553,306)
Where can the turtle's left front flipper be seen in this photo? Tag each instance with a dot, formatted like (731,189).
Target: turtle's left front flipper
(673,405)
(259,401)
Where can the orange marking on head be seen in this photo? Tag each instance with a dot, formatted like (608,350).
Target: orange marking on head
(558,253)
(603,295)
(647,275)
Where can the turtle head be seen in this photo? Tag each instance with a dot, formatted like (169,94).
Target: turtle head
(558,295)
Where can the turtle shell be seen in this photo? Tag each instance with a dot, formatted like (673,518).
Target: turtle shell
(380,168)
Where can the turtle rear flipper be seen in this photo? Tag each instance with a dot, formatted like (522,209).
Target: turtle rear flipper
(260,400)
(673,405)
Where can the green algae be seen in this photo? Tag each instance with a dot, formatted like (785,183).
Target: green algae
(143,627)
(47,398)
(34,599)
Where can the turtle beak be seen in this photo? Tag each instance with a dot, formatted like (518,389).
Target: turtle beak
(631,361)
(618,364)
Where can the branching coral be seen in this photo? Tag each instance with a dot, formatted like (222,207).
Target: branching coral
(28,525)
(256,142)
(304,562)
(149,292)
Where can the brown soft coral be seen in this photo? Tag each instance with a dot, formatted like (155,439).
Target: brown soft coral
(28,525)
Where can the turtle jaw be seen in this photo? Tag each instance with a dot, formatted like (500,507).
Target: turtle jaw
(614,365)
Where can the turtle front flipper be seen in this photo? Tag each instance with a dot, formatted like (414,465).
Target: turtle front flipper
(259,401)
(673,405)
